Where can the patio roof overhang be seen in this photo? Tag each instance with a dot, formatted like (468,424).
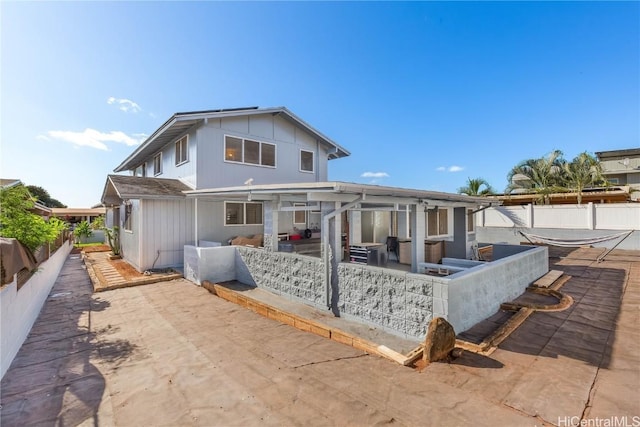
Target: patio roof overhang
(336,191)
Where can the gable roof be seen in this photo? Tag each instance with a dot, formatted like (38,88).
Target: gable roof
(8,183)
(122,187)
(179,123)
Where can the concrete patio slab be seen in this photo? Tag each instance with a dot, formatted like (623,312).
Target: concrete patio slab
(170,353)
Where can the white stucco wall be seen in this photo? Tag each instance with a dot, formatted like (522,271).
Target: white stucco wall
(20,308)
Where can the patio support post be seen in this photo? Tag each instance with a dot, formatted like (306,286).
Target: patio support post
(195,220)
(458,247)
(271,225)
(418,234)
(329,248)
(355,227)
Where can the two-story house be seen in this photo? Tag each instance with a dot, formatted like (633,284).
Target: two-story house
(210,149)
(621,168)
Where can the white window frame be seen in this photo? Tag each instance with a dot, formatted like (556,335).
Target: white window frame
(244,213)
(157,161)
(127,221)
(180,161)
(313,161)
(614,181)
(297,212)
(471,221)
(242,161)
(449,224)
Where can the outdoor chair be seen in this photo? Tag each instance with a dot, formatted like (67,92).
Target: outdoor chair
(392,246)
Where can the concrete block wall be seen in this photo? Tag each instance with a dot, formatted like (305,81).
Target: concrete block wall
(475,294)
(399,302)
(287,274)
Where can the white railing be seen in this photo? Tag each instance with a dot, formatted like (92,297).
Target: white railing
(591,216)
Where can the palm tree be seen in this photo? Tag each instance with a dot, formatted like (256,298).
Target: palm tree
(582,172)
(474,187)
(543,176)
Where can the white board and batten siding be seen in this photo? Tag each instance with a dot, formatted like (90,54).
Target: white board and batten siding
(130,239)
(167,225)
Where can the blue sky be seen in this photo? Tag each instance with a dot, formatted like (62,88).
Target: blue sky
(424,95)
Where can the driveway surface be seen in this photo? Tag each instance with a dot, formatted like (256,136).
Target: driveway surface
(170,353)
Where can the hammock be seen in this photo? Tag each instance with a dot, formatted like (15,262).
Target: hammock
(568,243)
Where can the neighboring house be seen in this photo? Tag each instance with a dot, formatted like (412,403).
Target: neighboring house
(38,208)
(76,215)
(209,149)
(622,167)
(613,194)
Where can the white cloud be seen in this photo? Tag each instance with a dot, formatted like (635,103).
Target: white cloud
(375,175)
(453,168)
(125,105)
(92,138)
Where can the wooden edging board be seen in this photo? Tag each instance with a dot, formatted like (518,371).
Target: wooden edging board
(303,324)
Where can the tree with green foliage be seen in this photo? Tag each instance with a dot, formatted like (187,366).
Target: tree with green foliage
(584,171)
(475,186)
(82,231)
(43,197)
(17,221)
(543,176)
(98,223)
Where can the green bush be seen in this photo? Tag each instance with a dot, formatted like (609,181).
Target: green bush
(18,222)
(82,230)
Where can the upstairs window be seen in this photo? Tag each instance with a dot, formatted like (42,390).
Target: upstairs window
(306,161)
(241,213)
(247,151)
(140,170)
(157,164)
(181,150)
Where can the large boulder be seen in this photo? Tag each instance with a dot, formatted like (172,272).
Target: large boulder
(440,340)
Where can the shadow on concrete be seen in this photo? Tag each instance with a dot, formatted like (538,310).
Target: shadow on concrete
(52,380)
(586,330)
(474,360)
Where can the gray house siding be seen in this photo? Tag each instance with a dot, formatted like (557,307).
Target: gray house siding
(185,171)
(213,171)
(211,223)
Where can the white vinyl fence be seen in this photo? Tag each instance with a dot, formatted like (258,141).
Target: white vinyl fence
(591,216)
(503,223)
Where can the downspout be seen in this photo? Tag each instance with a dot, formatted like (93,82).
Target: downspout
(325,246)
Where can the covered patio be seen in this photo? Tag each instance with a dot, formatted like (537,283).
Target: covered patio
(400,300)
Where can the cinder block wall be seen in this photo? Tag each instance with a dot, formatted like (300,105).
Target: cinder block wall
(399,302)
(287,274)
